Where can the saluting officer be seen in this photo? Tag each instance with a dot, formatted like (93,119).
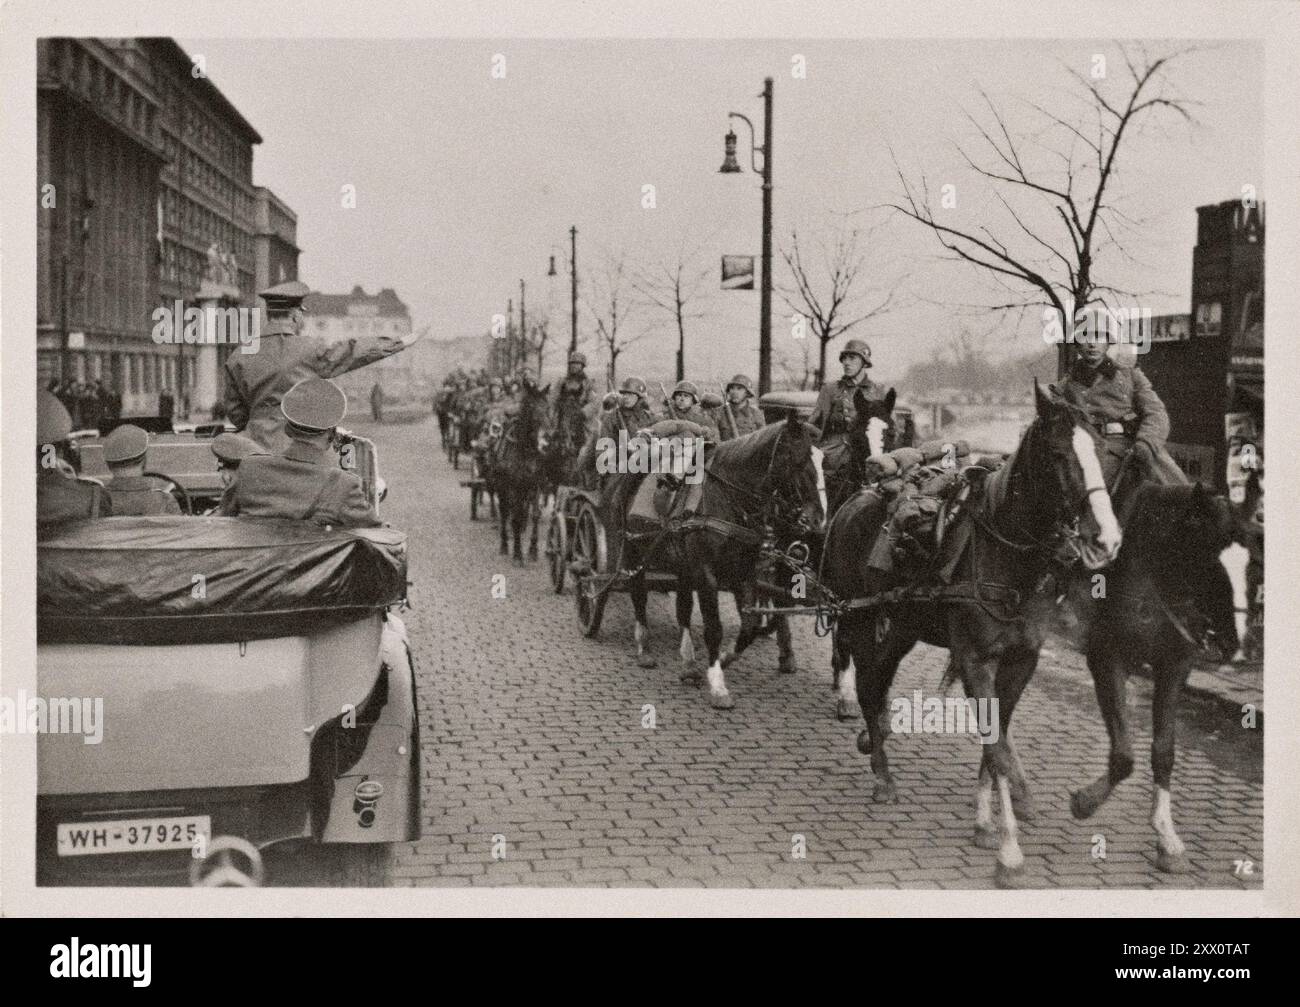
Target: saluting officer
(255,382)
(60,496)
(834,412)
(134,493)
(305,482)
(738,415)
(685,405)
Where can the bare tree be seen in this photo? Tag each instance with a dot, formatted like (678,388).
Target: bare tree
(801,374)
(539,331)
(829,297)
(611,305)
(1070,189)
(672,287)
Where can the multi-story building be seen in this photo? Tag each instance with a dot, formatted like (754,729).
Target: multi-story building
(147,200)
(275,240)
(99,150)
(1208,366)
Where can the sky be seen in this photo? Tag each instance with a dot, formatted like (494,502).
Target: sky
(466,183)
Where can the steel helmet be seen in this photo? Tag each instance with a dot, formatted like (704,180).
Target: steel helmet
(633,385)
(743,381)
(578,358)
(858,347)
(689,388)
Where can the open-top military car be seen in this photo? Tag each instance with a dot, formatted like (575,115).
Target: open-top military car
(257,692)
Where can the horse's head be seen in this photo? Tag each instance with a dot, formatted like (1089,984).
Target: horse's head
(1062,449)
(534,410)
(873,431)
(796,475)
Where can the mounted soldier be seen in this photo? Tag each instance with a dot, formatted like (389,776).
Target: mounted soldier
(1125,409)
(573,398)
(738,415)
(834,412)
(685,405)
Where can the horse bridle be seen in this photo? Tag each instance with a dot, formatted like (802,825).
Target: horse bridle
(768,494)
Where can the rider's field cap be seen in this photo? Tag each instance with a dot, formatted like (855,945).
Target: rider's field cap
(314,405)
(126,443)
(283,296)
(860,348)
(53,424)
(231,449)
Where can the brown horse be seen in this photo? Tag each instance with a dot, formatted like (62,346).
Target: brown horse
(516,471)
(1020,521)
(1167,597)
(750,484)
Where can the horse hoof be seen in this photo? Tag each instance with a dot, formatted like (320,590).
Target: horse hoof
(844,710)
(864,741)
(1172,863)
(1010,877)
(727,660)
(691,676)
(987,838)
(1081,805)
(646,661)
(721,700)
(885,793)
(787,667)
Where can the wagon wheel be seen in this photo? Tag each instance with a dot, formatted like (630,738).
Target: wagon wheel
(557,548)
(589,551)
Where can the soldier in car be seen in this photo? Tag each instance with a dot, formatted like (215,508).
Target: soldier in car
(60,495)
(134,493)
(834,412)
(306,481)
(255,382)
(231,449)
(738,415)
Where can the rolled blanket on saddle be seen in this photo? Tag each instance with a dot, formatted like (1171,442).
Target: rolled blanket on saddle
(900,461)
(676,428)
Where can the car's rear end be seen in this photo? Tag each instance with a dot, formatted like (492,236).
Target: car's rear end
(236,680)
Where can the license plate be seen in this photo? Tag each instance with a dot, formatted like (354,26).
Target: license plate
(132,835)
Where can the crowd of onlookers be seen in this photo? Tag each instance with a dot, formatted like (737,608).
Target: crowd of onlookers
(91,404)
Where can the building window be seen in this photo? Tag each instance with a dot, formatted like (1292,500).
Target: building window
(1209,318)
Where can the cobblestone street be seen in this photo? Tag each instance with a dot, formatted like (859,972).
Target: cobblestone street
(538,771)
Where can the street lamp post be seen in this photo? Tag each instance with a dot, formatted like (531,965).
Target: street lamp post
(573,289)
(729,167)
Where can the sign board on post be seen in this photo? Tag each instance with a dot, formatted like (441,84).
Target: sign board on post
(76,340)
(737,272)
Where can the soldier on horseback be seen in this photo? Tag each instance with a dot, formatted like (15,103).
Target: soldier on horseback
(685,405)
(1127,412)
(573,398)
(834,412)
(738,415)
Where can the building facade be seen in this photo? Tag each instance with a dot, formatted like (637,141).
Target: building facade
(99,151)
(1208,365)
(275,240)
(147,201)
